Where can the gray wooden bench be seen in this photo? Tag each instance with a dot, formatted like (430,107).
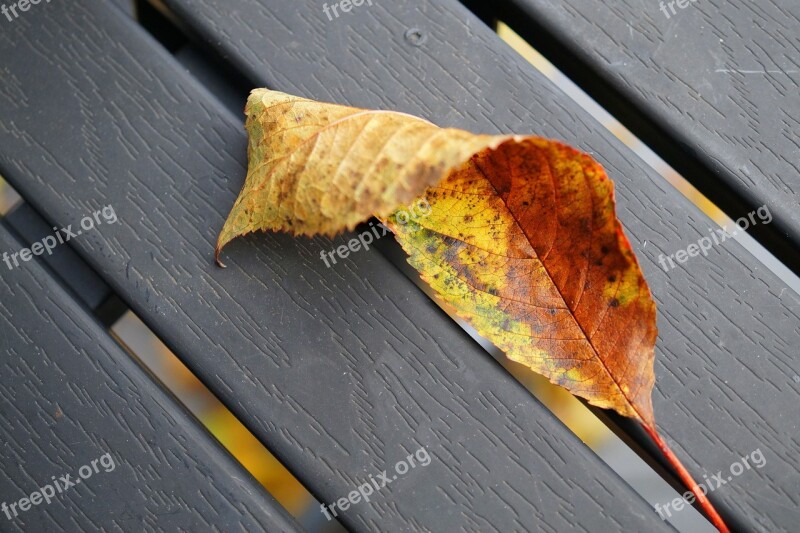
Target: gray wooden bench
(340,372)
(78,410)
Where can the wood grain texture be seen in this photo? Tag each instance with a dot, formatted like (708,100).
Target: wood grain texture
(341,372)
(727,363)
(70,395)
(126,6)
(26,224)
(715,87)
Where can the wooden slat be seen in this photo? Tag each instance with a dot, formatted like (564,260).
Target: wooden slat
(727,359)
(69,396)
(126,6)
(713,88)
(341,372)
(66,265)
(29,227)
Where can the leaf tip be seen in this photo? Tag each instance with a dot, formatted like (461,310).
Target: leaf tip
(217,252)
(223,239)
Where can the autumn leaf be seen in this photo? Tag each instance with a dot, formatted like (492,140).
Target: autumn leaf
(320,168)
(521,240)
(523,243)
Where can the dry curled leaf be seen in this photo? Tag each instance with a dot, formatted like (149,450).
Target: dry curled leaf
(522,239)
(321,168)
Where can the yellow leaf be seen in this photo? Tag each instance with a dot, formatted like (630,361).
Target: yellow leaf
(321,168)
